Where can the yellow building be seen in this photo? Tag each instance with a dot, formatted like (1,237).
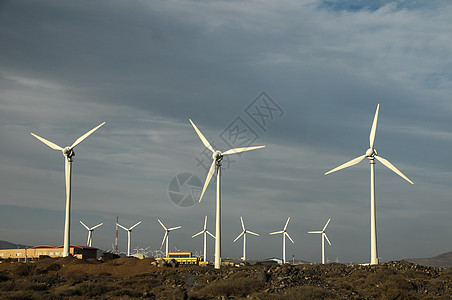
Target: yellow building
(51,251)
(184,258)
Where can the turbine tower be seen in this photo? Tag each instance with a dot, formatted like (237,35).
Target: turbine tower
(371,154)
(324,236)
(90,233)
(129,235)
(217,156)
(284,234)
(68,153)
(166,236)
(244,232)
(205,232)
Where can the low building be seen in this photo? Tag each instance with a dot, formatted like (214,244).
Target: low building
(184,258)
(81,252)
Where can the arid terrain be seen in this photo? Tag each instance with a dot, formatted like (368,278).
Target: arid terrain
(132,278)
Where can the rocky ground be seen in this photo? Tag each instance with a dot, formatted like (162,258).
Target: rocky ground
(131,278)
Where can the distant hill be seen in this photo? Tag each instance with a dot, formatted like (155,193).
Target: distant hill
(9,245)
(441,261)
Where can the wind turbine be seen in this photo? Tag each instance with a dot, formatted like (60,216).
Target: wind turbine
(244,232)
(68,153)
(166,236)
(129,235)
(284,234)
(205,232)
(371,153)
(324,236)
(90,232)
(217,156)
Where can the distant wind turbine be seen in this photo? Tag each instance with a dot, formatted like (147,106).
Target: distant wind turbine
(217,156)
(129,235)
(244,232)
(371,153)
(205,232)
(90,232)
(324,236)
(68,153)
(284,234)
(166,236)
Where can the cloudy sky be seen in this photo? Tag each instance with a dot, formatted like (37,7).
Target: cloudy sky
(301,77)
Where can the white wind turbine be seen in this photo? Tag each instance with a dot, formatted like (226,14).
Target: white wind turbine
(68,153)
(129,235)
(244,232)
(371,153)
(166,236)
(90,232)
(217,156)
(284,234)
(324,236)
(205,232)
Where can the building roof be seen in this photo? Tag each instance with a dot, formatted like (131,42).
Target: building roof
(72,246)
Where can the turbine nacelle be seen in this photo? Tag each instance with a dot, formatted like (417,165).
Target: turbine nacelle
(371,153)
(68,152)
(217,156)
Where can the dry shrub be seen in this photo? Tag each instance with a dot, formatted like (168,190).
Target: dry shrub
(240,287)
(108,256)
(7,286)
(46,269)
(309,292)
(3,277)
(24,269)
(87,289)
(21,295)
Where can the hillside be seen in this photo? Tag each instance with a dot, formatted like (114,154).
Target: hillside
(442,261)
(9,245)
(131,278)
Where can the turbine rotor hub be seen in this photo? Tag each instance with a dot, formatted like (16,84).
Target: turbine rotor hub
(217,156)
(371,153)
(68,152)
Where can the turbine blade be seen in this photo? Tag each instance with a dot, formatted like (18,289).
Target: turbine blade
(209,176)
(80,139)
(48,143)
(256,234)
(197,234)
(161,224)
(164,238)
(97,225)
(392,168)
(174,228)
(374,128)
(315,231)
(289,237)
(210,234)
(122,227)
(205,223)
(201,136)
(239,150)
(243,225)
(239,236)
(135,225)
(84,225)
(326,224)
(276,232)
(347,164)
(327,238)
(285,227)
